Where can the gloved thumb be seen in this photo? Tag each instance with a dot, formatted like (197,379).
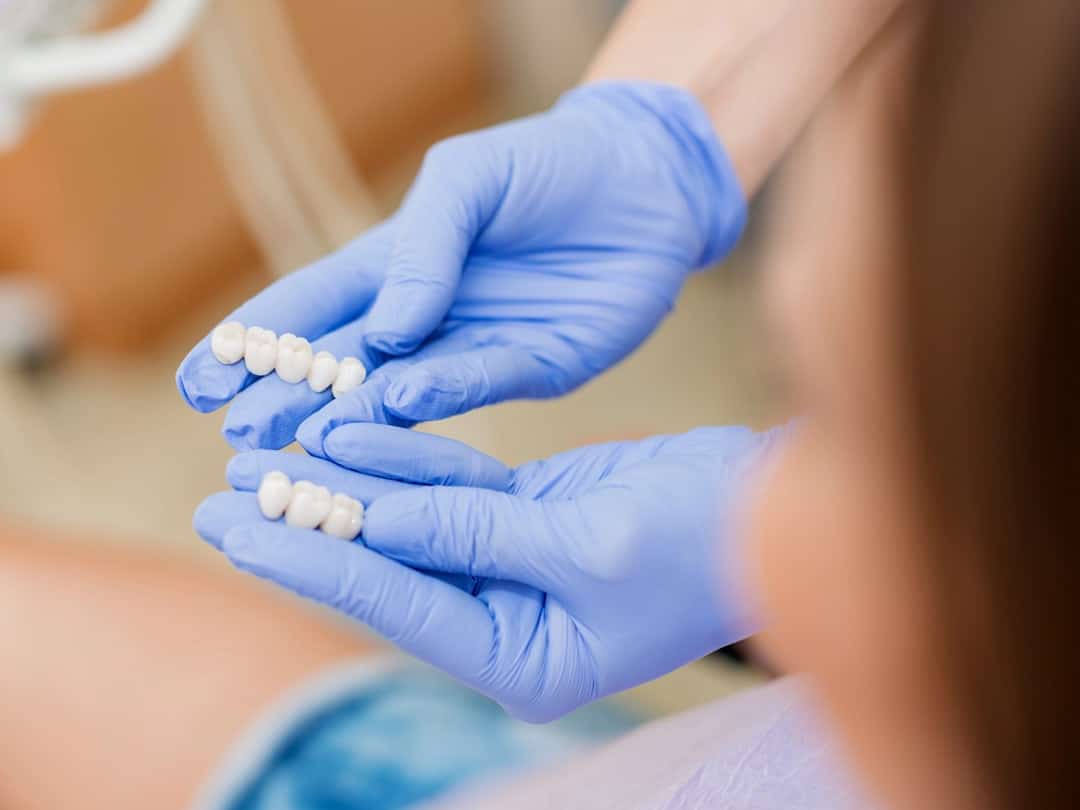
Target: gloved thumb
(477,532)
(454,196)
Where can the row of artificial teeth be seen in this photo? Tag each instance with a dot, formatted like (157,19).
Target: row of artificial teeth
(290,356)
(309,506)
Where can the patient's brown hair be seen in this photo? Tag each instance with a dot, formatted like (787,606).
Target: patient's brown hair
(991,228)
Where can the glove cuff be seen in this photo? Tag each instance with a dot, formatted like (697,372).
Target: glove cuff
(705,172)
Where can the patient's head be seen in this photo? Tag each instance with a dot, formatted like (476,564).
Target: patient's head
(915,544)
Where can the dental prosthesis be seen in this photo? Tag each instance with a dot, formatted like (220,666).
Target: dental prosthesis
(290,356)
(309,506)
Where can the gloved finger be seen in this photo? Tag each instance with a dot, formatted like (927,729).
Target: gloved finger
(245,472)
(310,302)
(447,385)
(362,404)
(476,532)
(419,458)
(455,194)
(267,413)
(365,404)
(425,616)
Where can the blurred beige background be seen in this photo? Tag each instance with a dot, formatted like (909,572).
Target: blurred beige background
(140,237)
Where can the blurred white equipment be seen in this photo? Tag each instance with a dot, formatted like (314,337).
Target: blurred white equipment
(29,323)
(41,51)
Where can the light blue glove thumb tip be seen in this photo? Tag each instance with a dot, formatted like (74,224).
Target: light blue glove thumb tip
(336,444)
(312,435)
(345,443)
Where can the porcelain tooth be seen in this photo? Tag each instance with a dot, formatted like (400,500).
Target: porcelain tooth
(346,518)
(309,506)
(260,350)
(293,358)
(324,370)
(275,493)
(350,374)
(228,342)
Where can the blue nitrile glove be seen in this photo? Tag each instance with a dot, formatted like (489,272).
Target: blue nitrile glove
(596,570)
(526,259)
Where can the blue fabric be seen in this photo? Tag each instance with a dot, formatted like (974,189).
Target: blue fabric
(406,738)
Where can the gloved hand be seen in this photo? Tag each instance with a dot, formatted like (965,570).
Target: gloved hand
(526,259)
(595,570)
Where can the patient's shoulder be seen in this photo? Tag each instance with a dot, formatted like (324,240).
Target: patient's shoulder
(763,747)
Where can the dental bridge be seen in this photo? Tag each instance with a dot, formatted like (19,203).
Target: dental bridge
(290,356)
(309,506)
